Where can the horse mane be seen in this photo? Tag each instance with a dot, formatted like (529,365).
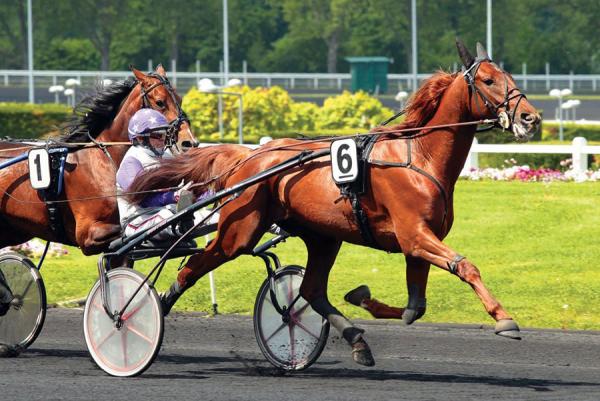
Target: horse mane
(96,112)
(423,104)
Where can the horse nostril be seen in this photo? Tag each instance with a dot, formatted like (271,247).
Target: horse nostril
(186,145)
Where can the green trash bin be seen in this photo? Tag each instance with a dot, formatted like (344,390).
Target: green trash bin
(369,73)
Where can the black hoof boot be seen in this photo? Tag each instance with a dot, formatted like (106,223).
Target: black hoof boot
(168,299)
(10,351)
(4,308)
(357,295)
(416,305)
(508,328)
(361,353)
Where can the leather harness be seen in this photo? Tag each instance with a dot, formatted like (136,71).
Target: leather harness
(51,194)
(354,190)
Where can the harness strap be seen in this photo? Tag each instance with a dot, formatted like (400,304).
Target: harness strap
(51,194)
(408,164)
(353,190)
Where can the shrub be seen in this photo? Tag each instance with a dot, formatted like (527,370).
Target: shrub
(358,110)
(272,112)
(570,131)
(30,121)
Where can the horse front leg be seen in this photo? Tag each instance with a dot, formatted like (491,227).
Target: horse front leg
(322,252)
(426,246)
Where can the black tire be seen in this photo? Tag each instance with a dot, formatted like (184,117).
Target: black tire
(141,333)
(284,350)
(24,320)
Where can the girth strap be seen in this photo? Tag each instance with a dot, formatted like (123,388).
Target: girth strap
(353,190)
(53,193)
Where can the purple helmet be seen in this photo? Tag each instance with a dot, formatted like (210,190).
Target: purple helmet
(144,121)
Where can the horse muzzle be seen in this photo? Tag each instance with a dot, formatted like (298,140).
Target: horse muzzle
(526,126)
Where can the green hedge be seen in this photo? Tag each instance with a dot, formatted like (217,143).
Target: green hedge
(30,121)
(272,112)
(570,131)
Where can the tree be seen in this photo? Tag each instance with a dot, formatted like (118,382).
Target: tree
(13,26)
(323,19)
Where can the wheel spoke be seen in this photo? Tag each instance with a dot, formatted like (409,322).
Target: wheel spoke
(306,329)
(299,311)
(138,333)
(292,345)
(135,310)
(290,289)
(275,332)
(27,289)
(124,345)
(106,338)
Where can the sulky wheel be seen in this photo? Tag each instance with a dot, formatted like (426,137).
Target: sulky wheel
(295,339)
(23,311)
(128,347)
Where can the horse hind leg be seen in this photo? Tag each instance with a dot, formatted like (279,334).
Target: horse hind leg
(321,256)
(417,272)
(241,225)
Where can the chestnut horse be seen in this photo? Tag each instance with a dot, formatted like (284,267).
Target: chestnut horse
(408,201)
(89,172)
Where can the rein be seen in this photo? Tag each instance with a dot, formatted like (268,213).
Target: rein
(421,131)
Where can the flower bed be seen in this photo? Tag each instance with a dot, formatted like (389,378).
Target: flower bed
(527,174)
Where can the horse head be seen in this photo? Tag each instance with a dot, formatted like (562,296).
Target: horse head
(494,94)
(156,92)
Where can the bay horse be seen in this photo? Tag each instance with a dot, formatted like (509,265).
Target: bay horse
(87,208)
(408,203)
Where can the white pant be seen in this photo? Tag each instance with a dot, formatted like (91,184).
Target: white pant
(144,221)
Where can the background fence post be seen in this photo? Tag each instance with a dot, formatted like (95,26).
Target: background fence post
(472,160)
(579,157)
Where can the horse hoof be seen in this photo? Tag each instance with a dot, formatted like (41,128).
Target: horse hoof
(508,328)
(10,351)
(356,296)
(361,353)
(409,316)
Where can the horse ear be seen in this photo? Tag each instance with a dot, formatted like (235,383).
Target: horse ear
(140,76)
(464,54)
(160,70)
(481,52)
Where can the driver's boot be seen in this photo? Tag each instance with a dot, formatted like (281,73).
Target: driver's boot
(186,199)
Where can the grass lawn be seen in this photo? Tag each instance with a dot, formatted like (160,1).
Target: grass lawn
(535,244)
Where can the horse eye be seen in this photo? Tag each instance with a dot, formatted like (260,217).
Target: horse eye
(160,103)
(488,82)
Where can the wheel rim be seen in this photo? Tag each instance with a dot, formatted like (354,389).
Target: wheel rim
(129,349)
(21,324)
(295,344)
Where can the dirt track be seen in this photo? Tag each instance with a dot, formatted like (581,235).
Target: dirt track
(218,359)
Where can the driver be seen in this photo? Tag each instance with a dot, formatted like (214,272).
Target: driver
(148,130)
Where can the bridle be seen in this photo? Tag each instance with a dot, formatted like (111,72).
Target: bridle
(505,118)
(173,130)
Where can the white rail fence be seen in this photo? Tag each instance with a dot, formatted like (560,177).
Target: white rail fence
(533,83)
(578,149)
